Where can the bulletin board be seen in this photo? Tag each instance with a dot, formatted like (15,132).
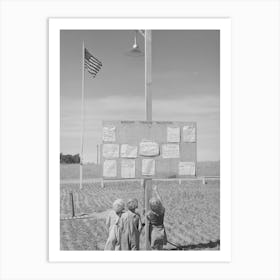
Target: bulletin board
(142,149)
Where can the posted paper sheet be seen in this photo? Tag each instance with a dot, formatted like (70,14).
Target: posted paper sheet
(149,149)
(189,133)
(173,134)
(186,168)
(109,134)
(148,167)
(110,150)
(128,168)
(170,151)
(110,168)
(128,151)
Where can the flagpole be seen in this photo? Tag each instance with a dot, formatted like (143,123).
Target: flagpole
(82,118)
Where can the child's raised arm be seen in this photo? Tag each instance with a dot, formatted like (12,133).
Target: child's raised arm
(156,194)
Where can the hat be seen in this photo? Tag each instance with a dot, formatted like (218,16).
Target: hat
(156,205)
(118,205)
(132,204)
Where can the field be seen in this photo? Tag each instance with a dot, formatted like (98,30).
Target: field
(70,172)
(192,212)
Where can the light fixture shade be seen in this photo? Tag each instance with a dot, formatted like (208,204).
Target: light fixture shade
(135,52)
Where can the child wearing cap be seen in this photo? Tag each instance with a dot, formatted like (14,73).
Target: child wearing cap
(112,224)
(131,225)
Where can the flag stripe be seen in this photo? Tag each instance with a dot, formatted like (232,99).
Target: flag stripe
(93,67)
(92,64)
(91,71)
(89,55)
(96,60)
(90,67)
(93,74)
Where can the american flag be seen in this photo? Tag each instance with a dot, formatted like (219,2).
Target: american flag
(92,64)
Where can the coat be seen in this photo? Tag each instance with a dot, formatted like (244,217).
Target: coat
(112,224)
(130,225)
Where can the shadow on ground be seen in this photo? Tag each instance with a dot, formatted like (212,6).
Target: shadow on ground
(209,245)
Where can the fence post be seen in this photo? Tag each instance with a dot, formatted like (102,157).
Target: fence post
(72,204)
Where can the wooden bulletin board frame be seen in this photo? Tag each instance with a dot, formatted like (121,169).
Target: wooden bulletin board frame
(135,132)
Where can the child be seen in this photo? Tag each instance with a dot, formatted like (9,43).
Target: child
(112,224)
(131,227)
(155,216)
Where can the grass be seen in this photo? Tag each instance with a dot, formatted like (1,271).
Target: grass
(92,170)
(192,213)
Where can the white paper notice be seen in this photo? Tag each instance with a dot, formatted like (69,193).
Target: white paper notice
(128,168)
(189,133)
(170,151)
(148,167)
(149,149)
(109,134)
(110,168)
(111,150)
(186,168)
(173,134)
(128,151)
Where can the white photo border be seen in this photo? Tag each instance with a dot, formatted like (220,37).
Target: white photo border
(57,24)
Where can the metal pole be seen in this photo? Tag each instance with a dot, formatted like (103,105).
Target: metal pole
(82,118)
(148,74)
(148,109)
(147,193)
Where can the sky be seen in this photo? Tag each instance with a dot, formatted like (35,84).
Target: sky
(185,85)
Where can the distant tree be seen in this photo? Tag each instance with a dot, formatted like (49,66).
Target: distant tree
(69,159)
(76,158)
